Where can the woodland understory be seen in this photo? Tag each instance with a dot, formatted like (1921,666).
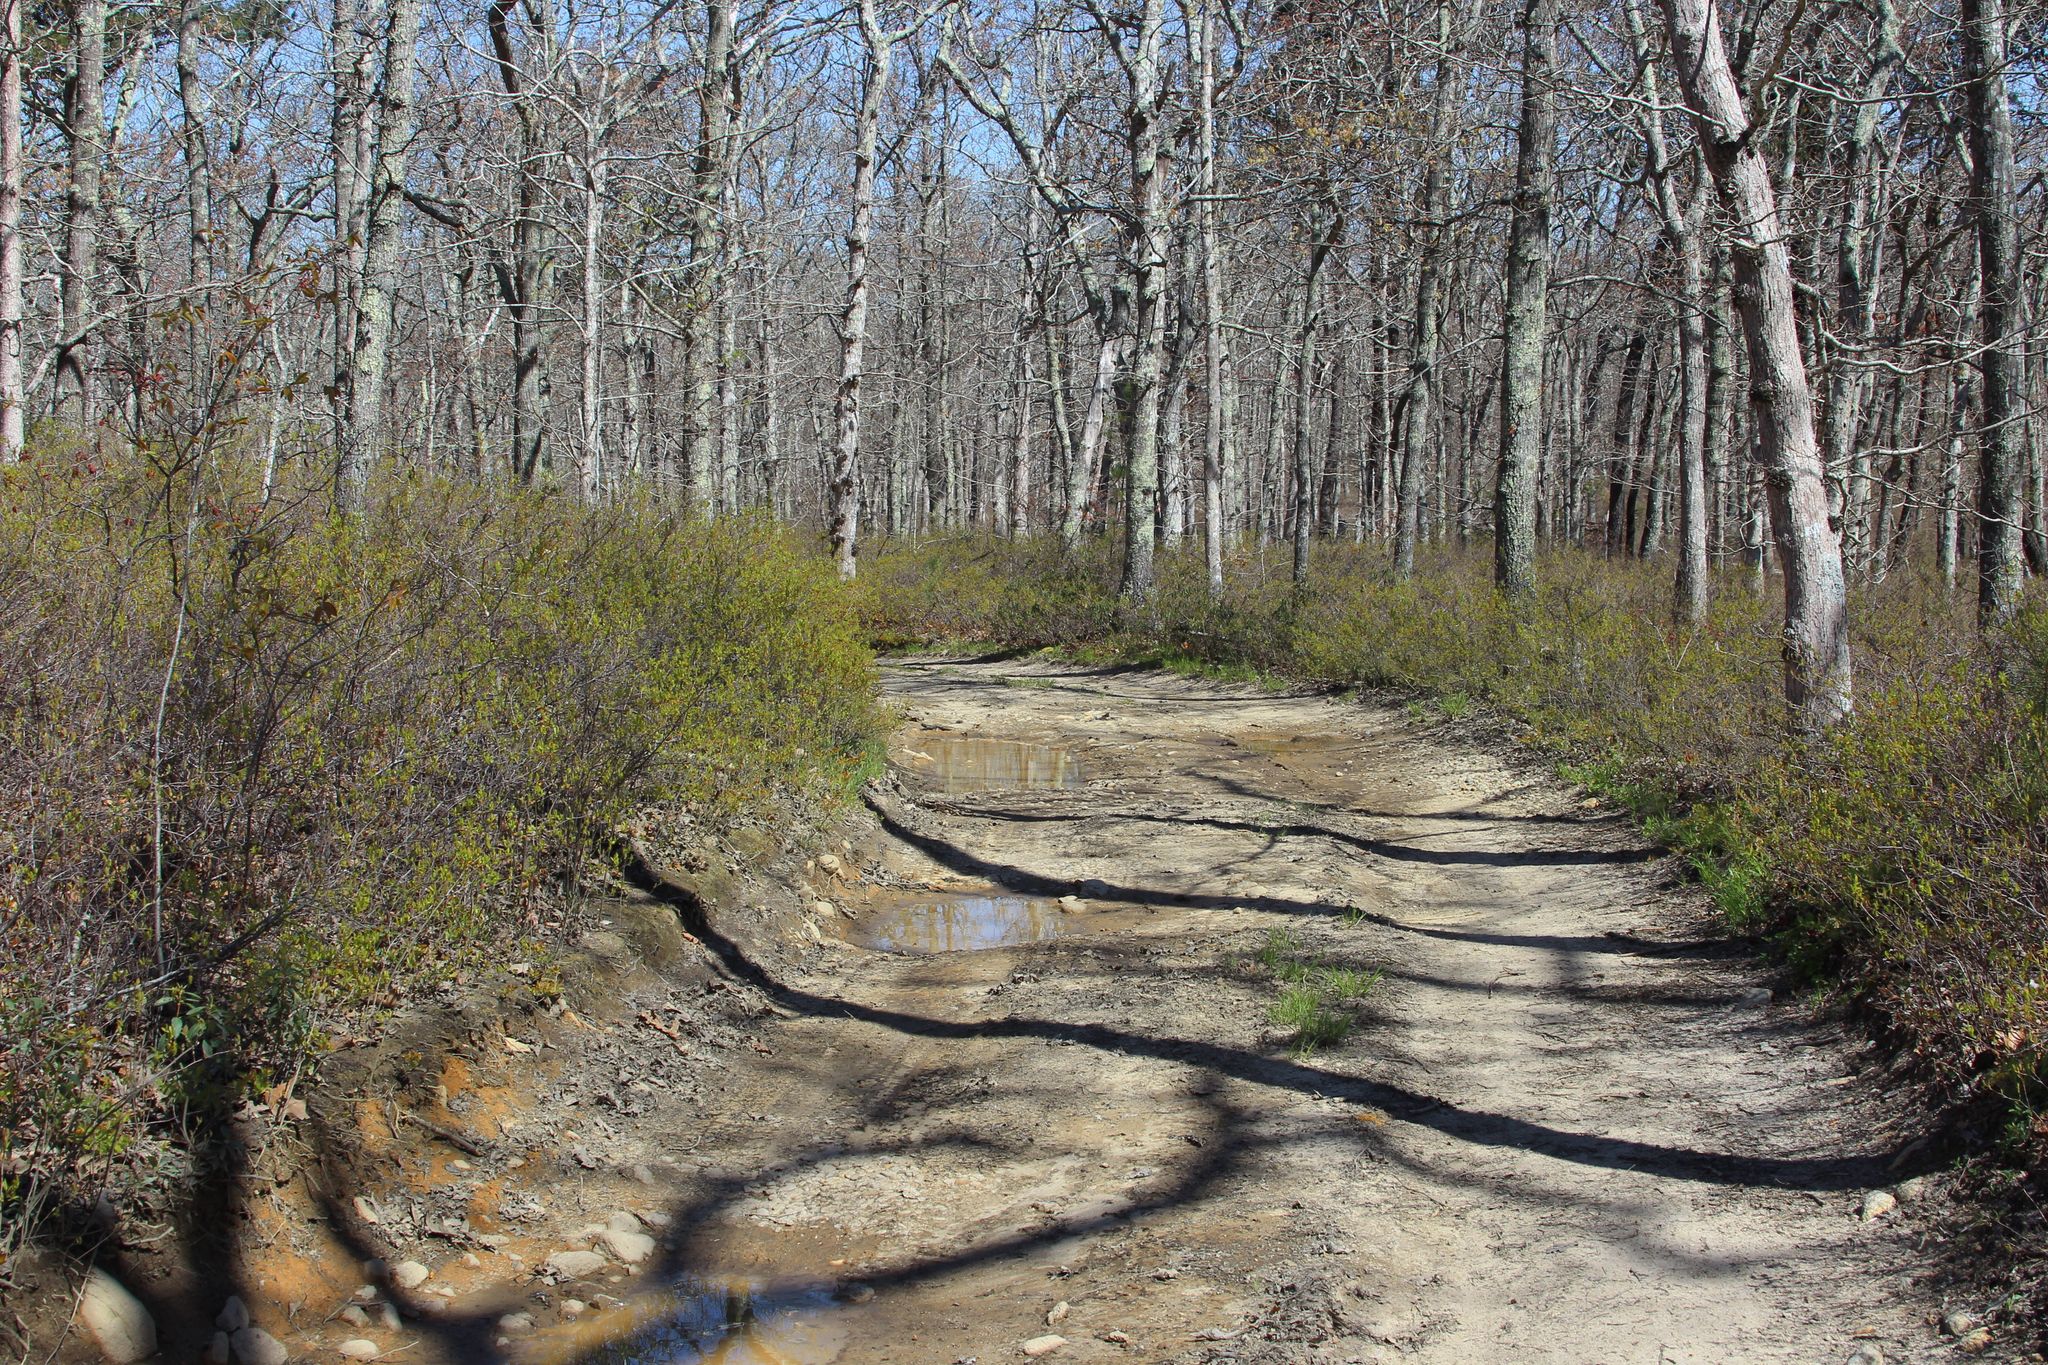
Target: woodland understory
(434,437)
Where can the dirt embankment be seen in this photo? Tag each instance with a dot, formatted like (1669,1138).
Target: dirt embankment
(776,1117)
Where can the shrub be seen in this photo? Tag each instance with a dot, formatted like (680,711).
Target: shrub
(261,768)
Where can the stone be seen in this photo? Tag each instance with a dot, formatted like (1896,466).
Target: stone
(366,1293)
(1910,1191)
(1976,1341)
(1959,1323)
(573,1265)
(365,1210)
(409,1274)
(1058,1314)
(516,1322)
(359,1348)
(254,1346)
(220,1351)
(115,1319)
(829,864)
(1870,1353)
(387,1317)
(630,1247)
(1756,997)
(623,1221)
(1070,902)
(354,1316)
(1877,1204)
(1044,1346)
(573,1308)
(233,1315)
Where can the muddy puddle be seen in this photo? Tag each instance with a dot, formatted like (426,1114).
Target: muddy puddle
(736,1322)
(934,922)
(958,764)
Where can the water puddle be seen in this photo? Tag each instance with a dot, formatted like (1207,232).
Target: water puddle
(735,1322)
(957,764)
(936,923)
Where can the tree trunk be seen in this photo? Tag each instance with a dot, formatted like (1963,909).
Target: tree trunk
(1528,285)
(11,394)
(1817,666)
(85,131)
(703,229)
(2002,458)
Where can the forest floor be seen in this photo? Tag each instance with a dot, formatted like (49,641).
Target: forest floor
(1568,1121)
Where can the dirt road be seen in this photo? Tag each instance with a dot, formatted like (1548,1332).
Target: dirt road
(1566,1123)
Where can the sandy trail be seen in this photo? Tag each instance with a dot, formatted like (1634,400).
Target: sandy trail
(1563,1126)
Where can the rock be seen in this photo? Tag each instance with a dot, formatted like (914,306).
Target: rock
(630,1247)
(1058,1314)
(1974,1342)
(1910,1191)
(365,1210)
(233,1315)
(359,1348)
(220,1351)
(641,1175)
(623,1221)
(254,1346)
(409,1274)
(1070,902)
(387,1317)
(574,1265)
(830,865)
(1044,1346)
(824,909)
(1877,1204)
(573,1308)
(116,1320)
(366,1293)
(1959,1323)
(516,1322)
(1754,998)
(1868,1354)
(354,1316)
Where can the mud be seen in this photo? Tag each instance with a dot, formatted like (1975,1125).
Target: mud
(1568,1123)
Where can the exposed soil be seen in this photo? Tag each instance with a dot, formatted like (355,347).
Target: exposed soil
(1567,1123)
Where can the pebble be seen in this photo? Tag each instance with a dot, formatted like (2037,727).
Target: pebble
(1044,1346)
(366,1293)
(1910,1191)
(572,1308)
(1877,1204)
(254,1346)
(1058,1314)
(1975,1342)
(220,1351)
(233,1315)
(623,1221)
(365,1210)
(829,864)
(116,1319)
(387,1317)
(1959,1323)
(571,1265)
(1867,1354)
(641,1175)
(516,1322)
(409,1274)
(354,1316)
(359,1348)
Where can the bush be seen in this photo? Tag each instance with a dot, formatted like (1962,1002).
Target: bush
(261,768)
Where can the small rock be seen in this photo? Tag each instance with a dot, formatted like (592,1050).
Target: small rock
(354,1316)
(387,1317)
(573,1265)
(573,1308)
(1910,1191)
(1959,1323)
(824,909)
(366,1293)
(630,1247)
(623,1221)
(233,1315)
(641,1175)
(1117,1338)
(1044,1346)
(116,1319)
(365,1210)
(830,865)
(409,1274)
(220,1351)
(516,1322)
(1754,998)
(1168,1273)
(254,1346)
(1058,1314)
(1877,1204)
(1070,902)
(359,1348)
(1870,1353)
(1974,1342)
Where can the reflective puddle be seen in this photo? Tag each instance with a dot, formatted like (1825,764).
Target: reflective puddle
(957,924)
(737,1322)
(956,764)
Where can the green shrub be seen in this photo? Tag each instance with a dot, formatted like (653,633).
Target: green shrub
(261,768)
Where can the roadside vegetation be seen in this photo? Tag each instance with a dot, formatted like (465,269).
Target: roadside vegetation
(1900,861)
(265,771)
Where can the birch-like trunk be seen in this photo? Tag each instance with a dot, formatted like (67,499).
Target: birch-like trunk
(1817,665)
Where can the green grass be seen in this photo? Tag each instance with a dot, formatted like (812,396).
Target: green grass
(1312,993)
